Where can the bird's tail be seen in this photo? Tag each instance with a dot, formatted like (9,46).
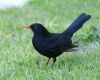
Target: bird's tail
(77,24)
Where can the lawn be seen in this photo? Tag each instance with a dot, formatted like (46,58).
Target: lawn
(20,61)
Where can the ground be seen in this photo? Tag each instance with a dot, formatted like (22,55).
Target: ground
(20,61)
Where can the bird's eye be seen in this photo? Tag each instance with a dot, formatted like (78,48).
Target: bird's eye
(35,27)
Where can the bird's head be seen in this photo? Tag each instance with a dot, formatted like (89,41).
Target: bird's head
(37,28)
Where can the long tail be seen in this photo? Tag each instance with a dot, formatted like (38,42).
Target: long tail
(77,24)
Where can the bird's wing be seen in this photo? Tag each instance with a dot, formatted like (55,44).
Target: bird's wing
(59,43)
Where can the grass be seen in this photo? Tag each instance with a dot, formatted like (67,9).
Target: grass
(20,61)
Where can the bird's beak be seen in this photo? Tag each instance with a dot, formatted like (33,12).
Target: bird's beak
(27,26)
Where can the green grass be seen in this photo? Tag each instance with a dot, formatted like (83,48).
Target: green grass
(20,61)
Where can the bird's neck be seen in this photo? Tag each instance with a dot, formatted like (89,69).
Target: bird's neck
(41,33)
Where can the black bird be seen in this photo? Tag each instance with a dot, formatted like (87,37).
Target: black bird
(52,45)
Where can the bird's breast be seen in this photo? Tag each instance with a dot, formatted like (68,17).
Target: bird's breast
(38,44)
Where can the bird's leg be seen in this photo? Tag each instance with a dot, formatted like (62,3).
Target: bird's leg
(48,61)
(54,60)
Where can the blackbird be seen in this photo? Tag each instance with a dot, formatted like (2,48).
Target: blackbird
(52,45)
